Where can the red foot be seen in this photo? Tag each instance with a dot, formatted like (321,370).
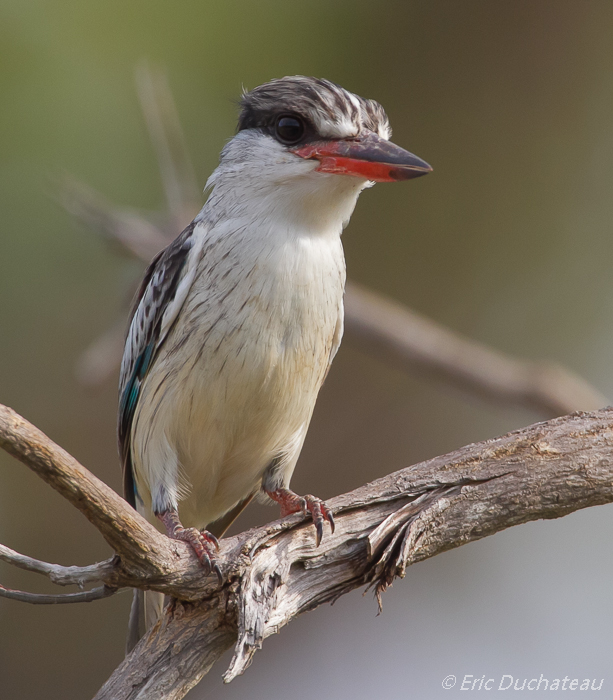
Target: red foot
(291,502)
(202,542)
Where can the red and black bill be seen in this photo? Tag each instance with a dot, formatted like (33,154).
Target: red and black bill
(370,157)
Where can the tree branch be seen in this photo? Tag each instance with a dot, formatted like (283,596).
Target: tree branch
(275,572)
(110,514)
(43,599)
(394,333)
(60,575)
(126,229)
(176,170)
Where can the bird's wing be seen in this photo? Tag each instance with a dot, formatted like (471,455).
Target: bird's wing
(338,333)
(156,307)
(336,339)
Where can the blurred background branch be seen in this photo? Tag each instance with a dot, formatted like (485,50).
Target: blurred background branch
(386,329)
(396,334)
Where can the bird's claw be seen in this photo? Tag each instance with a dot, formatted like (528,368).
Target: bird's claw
(319,512)
(292,503)
(204,543)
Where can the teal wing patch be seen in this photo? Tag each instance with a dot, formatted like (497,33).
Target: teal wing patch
(144,340)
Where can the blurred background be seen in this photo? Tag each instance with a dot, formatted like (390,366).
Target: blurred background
(508,241)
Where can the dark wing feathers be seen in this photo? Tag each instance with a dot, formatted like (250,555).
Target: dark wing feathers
(145,337)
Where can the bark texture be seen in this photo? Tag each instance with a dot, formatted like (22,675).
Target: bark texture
(275,572)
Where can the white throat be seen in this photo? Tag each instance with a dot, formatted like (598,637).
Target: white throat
(260,185)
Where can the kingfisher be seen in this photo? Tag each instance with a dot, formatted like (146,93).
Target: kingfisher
(237,321)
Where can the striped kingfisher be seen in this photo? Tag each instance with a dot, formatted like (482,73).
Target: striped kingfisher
(237,321)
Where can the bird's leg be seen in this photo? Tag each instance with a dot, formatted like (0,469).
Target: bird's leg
(202,542)
(291,502)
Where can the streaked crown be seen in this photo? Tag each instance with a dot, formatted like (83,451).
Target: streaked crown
(327,110)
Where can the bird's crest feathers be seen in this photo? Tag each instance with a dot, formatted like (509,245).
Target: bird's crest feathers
(332,111)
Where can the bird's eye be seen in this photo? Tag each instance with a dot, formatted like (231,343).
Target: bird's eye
(289,129)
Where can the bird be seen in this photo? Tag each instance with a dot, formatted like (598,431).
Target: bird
(237,321)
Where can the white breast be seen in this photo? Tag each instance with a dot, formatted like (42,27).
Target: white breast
(236,381)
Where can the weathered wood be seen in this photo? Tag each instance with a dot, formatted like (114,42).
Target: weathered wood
(275,572)
(145,549)
(176,653)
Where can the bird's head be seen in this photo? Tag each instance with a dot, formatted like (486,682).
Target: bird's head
(314,144)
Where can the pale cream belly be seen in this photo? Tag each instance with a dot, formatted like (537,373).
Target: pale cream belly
(235,383)
(231,406)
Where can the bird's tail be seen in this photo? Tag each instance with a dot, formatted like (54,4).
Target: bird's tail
(147,606)
(146,609)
